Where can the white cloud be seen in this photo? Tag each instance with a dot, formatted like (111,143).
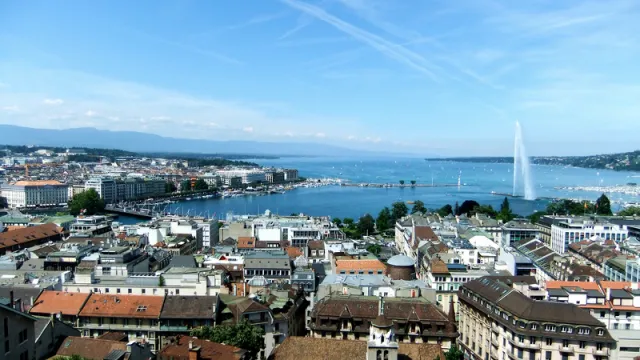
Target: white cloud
(90,113)
(321,135)
(12,108)
(53,101)
(248,129)
(351,137)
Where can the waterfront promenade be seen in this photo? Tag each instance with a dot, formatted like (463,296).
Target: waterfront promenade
(378,185)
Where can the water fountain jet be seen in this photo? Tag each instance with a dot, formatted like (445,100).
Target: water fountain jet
(522,166)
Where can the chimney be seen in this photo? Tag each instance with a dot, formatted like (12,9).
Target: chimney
(194,353)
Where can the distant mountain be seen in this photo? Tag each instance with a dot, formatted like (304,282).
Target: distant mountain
(143,142)
(628,161)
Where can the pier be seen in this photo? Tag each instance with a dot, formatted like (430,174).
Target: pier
(378,185)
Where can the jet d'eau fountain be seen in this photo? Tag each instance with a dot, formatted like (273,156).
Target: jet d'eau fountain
(522,167)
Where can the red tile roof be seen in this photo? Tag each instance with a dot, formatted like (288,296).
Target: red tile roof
(130,306)
(54,302)
(246,242)
(89,348)
(360,265)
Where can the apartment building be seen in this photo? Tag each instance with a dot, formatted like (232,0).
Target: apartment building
(105,187)
(517,230)
(273,266)
(17,335)
(499,322)
(414,320)
(36,193)
(614,303)
(135,315)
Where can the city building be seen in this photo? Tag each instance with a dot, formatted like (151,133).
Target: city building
(17,335)
(290,174)
(275,177)
(26,237)
(188,348)
(247,176)
(414,320)
(105,187)
(37,193)
(517,230)
(272,266)
(565,233)
(181,314)
(499,322)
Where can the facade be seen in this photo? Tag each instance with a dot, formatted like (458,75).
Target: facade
(518,230)
(290,174)
(105,187)
(17,334)
(247,176)
(414,320)
(275,177)
(499,322)
(38,193)
(273,266)
(565,233)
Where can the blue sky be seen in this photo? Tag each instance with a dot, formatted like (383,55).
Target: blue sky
(432,77)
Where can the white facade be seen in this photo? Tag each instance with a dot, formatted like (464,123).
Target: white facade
(35,193)
(105,187)
(248,176)
(566,233)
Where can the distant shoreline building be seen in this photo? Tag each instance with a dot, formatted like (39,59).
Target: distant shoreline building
(36,193)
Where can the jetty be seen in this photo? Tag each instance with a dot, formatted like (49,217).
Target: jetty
(378,185)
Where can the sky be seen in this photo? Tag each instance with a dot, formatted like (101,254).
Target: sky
(430,77)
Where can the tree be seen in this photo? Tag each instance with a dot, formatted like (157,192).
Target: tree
(87,202)
(383,222)
(454,353)
(348,222)
(630,211)
(242,335)
(505,214)
(398,211)
(337,221)
(485,209)
(170,187)
(402,182)
(200,185)
(467,207)
(603,205)
(185,185)
(366,225)
(535,217)
(418,207)
(456,210)
(413,182)
(445,210)
(375,249)
(161,281)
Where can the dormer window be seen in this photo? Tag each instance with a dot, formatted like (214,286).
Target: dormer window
(600,332)
(550,328)
(534,326)
(584,331)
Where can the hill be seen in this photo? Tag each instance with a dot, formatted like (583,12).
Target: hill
(628,161)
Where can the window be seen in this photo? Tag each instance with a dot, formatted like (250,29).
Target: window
(547,355)
(599,347)
(532,340)
(549,342)
(118,291)
(582,344)
(602,314)
(551,328)
(600,332)
(565,343)
(627,326)
(534,326)
(106,290)
(144,291)
(177,291)
(129,291)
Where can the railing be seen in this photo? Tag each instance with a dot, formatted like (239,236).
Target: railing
(174,328)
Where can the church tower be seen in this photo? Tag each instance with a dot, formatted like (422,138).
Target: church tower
(382,344)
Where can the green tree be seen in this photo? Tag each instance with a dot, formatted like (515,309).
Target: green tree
(467,207)
(366,225)
(413,182)
(185,185)
(87,202)
(383,222)
(170,187)
(398,210)
(161,281)
(375,249)
(402,182)
(630,211)
(418,207)
(242,335)
(348,222)
(505,214)
(603,205)
(445,210)
(200,185)
(454,353)
(535,217)
(485,209)
(337,221)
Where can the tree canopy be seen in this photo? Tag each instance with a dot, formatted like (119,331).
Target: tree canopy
(603,205)
(630,211)
(398,210)
(200,185)
(505,213)
(418,207)
(366,225)
(383,222)
(170,187)
(87,202)
(242,335)
(185,185)
(375,249)
(338,222)
(467,207)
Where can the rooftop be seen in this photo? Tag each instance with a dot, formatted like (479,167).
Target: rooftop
(90,348)
(123,306)
(54,302)
(179,350)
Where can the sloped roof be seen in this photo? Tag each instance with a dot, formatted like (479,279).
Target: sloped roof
(208,350)
(188,307)
(129,306)
(28,235)
(53,302)
(90,348)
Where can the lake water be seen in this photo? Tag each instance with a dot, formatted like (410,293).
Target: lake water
(478,180)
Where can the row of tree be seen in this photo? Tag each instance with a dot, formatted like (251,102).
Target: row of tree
(602,206)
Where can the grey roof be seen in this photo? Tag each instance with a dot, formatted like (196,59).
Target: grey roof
(184,261)
(594,294)
(23,293)
(557,292)
(400,260)
(267,263)
(41,324)
(620,294)
(115,355)
(303,275)
(188,307)
(357,280)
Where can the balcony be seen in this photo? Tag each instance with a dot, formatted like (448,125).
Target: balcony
(517,343)
(174,328)
(566,349)
(494,342)
(118,327)
(601,352)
